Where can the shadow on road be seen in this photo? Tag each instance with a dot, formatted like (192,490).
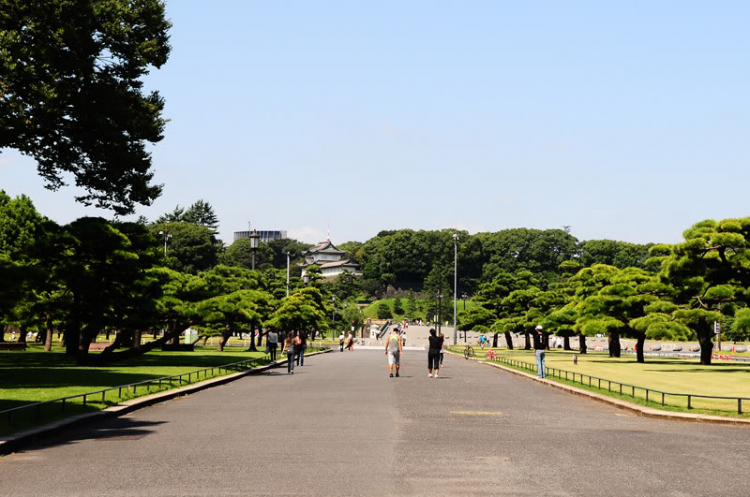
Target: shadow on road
(117,429)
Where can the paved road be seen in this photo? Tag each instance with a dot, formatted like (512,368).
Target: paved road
(340,426)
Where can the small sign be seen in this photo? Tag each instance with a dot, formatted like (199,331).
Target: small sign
(717,327)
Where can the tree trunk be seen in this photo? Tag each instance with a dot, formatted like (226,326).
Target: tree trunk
(566,343)
(260,337)
(614,344)
(705,339)
(640,344)
(137,339)
(84,340)
(48,336)
(527,345)
(205,340)
(109,355)
(224,339)
(494,340)
(508,340)
(252,340)
(22,335)
(583,348)
(2,332)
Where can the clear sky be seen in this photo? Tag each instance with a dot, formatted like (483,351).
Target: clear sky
(627,120)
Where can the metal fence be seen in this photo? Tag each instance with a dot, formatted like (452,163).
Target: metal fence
(651,394)
(8,414)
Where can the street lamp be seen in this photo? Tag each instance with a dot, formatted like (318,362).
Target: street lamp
(439,304)
(455,285)
(254,241)
(167,236)
(464,296)
(287,273)
(333,317)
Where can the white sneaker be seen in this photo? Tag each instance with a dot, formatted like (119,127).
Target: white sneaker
(436,375)
(429,375)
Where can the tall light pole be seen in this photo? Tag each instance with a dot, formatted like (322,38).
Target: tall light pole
(254,242)
(287,273)
(439,305)
(167,236)
(464,296)
(333,316)
(455,285)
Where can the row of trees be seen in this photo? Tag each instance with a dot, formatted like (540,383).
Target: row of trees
(677,294)
(94,276)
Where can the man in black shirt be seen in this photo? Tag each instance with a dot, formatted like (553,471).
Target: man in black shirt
(540,344)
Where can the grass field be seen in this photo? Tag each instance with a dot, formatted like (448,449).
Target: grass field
(723,378)
(34,376)
(371,311)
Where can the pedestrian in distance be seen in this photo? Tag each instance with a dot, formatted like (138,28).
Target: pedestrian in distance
(433,354)
(403,338)
(540,345)
(272,340)
(393,349)
(289,349)
(341,342)
(350,342)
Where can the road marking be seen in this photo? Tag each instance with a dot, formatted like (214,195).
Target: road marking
(478,413)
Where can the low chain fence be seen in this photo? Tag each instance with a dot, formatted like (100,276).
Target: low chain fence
(650,395)
(113,395)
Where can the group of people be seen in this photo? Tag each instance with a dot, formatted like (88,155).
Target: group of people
(394,348)
(294,345)
(346,342)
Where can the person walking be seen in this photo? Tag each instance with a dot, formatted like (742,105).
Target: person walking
(433,354)
(300,346)
(540,345)
(341,342)
(393,349)
(273,343)
(445,344)
(350,342)
(289,348)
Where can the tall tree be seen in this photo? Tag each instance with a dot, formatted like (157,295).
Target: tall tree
(72,93)
(190,248)
(202,214)
(709,270)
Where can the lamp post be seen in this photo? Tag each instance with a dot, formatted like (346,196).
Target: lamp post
(455,285)
(333,317)
(167,236)
(254,241)
(439,305)
(464,296)
(287,273)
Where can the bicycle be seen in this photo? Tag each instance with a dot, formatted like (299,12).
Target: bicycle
(468,352)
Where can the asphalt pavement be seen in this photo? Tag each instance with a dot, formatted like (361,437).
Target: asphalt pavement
(341,426)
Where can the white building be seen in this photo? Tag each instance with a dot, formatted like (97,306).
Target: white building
(330,260)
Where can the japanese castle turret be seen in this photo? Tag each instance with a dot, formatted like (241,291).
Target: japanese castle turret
(330,260)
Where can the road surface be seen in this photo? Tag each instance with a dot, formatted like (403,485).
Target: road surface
(341,426)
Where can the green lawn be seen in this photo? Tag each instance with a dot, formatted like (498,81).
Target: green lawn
(371,311)
(33,376)
(723,378)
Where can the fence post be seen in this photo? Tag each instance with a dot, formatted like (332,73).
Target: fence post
(689,407)
(103,396)
(739,406)
(84,400)
(662,398)
(647,395)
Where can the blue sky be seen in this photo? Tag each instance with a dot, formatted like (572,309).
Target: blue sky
(626,120)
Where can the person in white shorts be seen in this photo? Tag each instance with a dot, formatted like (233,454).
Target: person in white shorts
(393,349)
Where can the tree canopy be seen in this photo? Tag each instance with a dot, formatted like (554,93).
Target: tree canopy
(72,67)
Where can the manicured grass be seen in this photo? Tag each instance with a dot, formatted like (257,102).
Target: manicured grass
(34,376)
(723,378)
(371,311)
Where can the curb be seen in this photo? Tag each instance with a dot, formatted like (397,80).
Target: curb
(13,442)
(640,410)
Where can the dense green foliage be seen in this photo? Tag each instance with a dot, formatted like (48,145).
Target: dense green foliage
(95,276)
